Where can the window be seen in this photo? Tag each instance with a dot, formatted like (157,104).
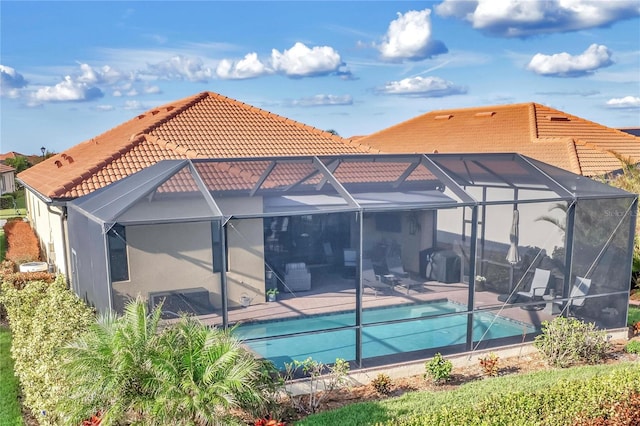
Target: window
(118,253)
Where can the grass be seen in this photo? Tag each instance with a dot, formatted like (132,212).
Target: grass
(20,206)
(369,413)
(10,412)
(634,315)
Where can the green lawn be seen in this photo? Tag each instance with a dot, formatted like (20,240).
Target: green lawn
(10,413)
(20,209)
(634,315)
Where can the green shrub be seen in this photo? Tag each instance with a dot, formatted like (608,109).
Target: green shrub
(438,369)
(323,380)
(567,341)
(382,384)
(562,403)
(43,317)
(632,347)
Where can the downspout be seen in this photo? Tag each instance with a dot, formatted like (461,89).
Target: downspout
(63,220)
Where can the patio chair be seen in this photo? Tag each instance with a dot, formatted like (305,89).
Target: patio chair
(580,289)
(394,266)
(350,258)
(297,277)
(538,287)
(372,280)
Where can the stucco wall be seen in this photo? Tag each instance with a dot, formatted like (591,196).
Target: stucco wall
(168,257)
(49,228)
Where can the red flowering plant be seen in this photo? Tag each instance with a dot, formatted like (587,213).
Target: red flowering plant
(94,420)
(268,421)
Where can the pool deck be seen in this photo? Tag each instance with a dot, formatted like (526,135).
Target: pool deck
(332,292)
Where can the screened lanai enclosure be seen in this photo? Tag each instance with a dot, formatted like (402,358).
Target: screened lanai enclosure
(371,258)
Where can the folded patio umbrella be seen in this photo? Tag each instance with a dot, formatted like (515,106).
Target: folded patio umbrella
(513,256)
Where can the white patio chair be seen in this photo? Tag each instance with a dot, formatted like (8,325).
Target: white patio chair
(539,285)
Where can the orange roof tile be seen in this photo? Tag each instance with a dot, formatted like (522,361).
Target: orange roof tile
(531,129)
(6,169)
(206,125)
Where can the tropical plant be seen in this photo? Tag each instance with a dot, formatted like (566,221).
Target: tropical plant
(558,222)
(322,380)
(202,374)
(489,364)
(438,368)
(382,384)
(132,372)
(110,367)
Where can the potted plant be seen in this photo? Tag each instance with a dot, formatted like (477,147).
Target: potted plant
(271,294)
(480,283)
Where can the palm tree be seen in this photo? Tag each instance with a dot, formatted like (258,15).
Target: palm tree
(204,373)
(110,366)
(130,371)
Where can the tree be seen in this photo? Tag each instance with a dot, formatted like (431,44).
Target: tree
(19,163)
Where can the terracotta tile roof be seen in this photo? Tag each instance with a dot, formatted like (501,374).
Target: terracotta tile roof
(10,154)
(6,169)
(206,125)
(531,129)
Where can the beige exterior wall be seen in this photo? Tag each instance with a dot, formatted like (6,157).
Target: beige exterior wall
(168,257)
(49,228)
(174,256)
(245,240)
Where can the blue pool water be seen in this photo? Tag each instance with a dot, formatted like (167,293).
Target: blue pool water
(377,340)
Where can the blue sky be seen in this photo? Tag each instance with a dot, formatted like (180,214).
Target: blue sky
(72,70)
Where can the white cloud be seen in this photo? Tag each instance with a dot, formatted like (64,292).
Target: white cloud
(10,82)
(424,87)
(65,91)
(409,37)
(104,108)
(104,75)
(249,67)
(300,61)
(522,18)
(628,102)
(134,105)
(180,68)
(152,90)
(323,100)
(566,65)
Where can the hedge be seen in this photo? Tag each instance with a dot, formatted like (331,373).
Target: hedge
(43,317)
(565,403)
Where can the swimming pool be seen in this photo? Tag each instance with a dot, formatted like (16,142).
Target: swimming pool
(377,340)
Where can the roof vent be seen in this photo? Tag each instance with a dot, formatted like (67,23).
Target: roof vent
(154,112)
(443,117)
(170,108)
(141,116)
(68,158)
(557,118)
(58,163)
(485,114)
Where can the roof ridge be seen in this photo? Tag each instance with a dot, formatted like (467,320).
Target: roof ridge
(275,116)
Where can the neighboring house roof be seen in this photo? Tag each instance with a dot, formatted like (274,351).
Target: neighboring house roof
(206,125)
(531,129)
(635,131)
(6,169)
(10,154)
